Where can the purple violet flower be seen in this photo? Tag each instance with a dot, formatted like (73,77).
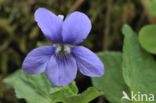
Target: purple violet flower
(61,61)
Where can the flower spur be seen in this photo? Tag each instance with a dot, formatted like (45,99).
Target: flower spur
(61,61)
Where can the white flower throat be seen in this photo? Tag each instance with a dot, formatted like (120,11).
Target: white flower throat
(62,50)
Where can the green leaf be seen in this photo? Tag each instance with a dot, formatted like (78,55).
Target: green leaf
(87,96)
(112,82)
(36,88)
(152,7)
(139,67)
(147,38)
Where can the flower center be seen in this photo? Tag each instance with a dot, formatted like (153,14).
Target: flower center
(62,50)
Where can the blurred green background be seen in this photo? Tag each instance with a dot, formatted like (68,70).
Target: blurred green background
(19,32)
